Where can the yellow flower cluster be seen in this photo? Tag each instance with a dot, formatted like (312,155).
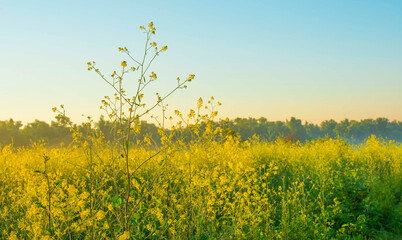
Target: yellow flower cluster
(153,76)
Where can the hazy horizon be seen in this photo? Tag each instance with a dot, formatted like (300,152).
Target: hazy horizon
(315,61)
(175,121)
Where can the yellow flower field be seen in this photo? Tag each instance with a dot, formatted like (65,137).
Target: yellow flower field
(325,189)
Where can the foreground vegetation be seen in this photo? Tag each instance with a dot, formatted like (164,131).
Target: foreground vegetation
(211,189)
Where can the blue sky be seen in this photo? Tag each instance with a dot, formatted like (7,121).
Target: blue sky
(314,60)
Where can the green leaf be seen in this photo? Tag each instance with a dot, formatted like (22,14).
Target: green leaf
(137,216)
(60,181)
(142,207)
(117,200)
(51,231)
(37,171)
(127,144)
(40,205)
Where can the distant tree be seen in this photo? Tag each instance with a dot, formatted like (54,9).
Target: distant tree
(262,128)
(277,130)
(382,127)
(10,132)
(328,127)
(107,128)
(246,127)
(313,131)
(395,131)
(297,130)
(38,131)
(342,129)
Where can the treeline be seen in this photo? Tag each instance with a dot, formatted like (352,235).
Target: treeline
(58,132)
(294,130)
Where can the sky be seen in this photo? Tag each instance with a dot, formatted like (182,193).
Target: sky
(314,60)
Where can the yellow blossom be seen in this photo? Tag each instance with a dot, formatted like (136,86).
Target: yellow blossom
(191,77)
(153,75)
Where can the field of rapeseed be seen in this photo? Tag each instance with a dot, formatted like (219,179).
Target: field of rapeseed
(228,189)
(198,182)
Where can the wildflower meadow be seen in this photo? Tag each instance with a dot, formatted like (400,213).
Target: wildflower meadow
(200,181)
